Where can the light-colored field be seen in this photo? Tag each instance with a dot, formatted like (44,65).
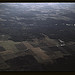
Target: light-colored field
(9,46)
(46,41)
(39,54)
(50,42)
(10,50)
(13,55)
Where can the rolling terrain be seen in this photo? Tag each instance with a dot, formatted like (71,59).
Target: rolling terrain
(37,36)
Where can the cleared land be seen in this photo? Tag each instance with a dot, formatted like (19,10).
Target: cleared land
(39,53)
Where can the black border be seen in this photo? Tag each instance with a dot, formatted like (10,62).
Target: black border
(37,0)
(37,73)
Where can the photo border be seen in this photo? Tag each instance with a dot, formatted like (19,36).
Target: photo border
(33,72)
